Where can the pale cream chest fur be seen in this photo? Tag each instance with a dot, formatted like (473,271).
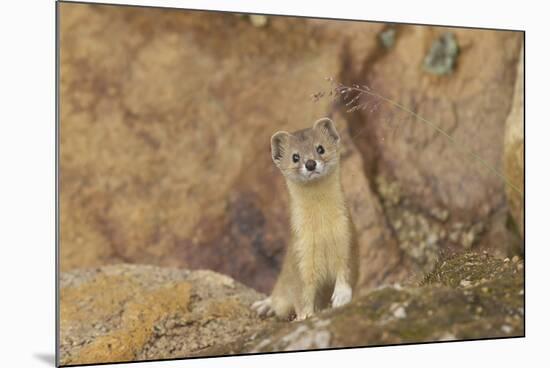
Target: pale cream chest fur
(321,229)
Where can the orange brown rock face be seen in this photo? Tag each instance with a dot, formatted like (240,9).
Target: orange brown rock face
(166,118)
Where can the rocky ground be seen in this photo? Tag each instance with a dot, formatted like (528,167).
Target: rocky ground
(129,312)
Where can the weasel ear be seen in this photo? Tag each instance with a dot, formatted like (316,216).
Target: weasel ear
(326,127)
(279,141)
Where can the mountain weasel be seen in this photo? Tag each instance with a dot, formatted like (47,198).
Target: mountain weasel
(320,265)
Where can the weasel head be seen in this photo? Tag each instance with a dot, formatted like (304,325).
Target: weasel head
(307,155)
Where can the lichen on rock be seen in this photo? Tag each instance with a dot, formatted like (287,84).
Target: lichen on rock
(129,312)
(387,37)
(122,313)
(420,234)
(440,308)
(441,58)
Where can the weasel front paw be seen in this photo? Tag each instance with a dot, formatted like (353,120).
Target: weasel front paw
(263,307)
(341,295)
(304,315)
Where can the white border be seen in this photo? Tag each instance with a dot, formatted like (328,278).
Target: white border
(27,184)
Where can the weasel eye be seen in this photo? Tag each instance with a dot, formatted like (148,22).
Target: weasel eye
(320,150)
(295,157)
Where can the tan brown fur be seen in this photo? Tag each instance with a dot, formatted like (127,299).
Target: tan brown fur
(320,264)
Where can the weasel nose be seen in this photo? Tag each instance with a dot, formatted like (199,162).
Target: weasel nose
(310,165)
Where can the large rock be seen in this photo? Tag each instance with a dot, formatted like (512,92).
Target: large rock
(467,297)
(514,152)
(129,312)
(165,139)
(438,193)
(165,124)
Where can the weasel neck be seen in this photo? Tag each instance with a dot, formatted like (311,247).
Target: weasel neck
(317,198)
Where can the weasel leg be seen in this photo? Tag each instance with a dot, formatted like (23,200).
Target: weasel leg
(342,293)
(264,307)
(307,308)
